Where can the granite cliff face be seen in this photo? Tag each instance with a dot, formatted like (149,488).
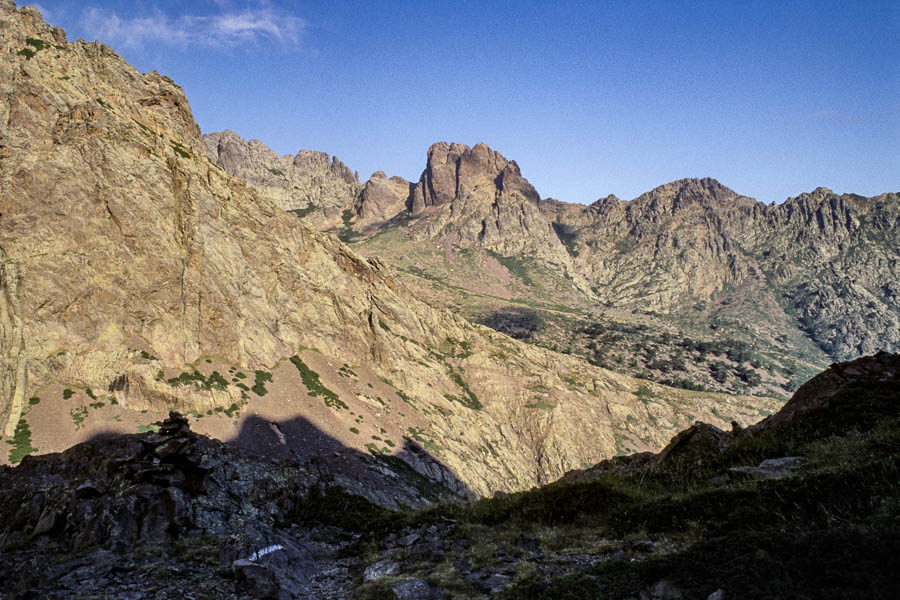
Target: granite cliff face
(381,198)
(310,182)
(476,197)
(138,277)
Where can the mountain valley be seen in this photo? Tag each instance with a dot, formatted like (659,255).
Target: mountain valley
(690,284)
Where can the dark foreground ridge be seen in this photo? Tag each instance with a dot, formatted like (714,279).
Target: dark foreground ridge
(805,504)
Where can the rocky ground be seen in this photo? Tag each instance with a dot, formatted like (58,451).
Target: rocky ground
(804,503)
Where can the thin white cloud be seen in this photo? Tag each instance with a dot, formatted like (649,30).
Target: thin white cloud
(227,28)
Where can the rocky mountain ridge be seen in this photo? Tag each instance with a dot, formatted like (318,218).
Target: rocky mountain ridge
(309,182)
(139,277)
(805,282)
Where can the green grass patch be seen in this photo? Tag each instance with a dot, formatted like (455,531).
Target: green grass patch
(78,416)
(21,443)
(347,234)
(215,381)
(514,265)
(260,380)
(36,46)
(147,428)
(469,400)
(180,150)
(539,404)
(315,386)
(644,394)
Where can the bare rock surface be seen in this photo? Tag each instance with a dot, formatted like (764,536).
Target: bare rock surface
(311,183)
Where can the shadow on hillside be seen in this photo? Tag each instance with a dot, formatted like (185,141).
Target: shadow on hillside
(516,322)
(406,477)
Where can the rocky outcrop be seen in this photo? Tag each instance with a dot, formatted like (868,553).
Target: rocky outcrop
(311,183)
(455,171)
(173,491)
(863,373)
(381,199)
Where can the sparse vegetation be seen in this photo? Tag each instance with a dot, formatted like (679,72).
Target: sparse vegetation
(315,386)
(468,399)
(538,403)
(21,442)
(260,380)
(514,265)
(36,46)
(199,381)
(78,416)
(347,235)
(180,150)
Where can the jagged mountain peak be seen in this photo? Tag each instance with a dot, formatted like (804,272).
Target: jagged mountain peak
(456,171)
(684,193)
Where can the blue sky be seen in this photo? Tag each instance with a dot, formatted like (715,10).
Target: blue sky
(771,98)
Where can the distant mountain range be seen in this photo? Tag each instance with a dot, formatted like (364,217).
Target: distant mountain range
(690,284)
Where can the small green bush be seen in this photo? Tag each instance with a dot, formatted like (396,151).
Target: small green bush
(21,443)
(259,386)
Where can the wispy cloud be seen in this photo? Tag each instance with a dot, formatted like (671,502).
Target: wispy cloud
(226,28)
